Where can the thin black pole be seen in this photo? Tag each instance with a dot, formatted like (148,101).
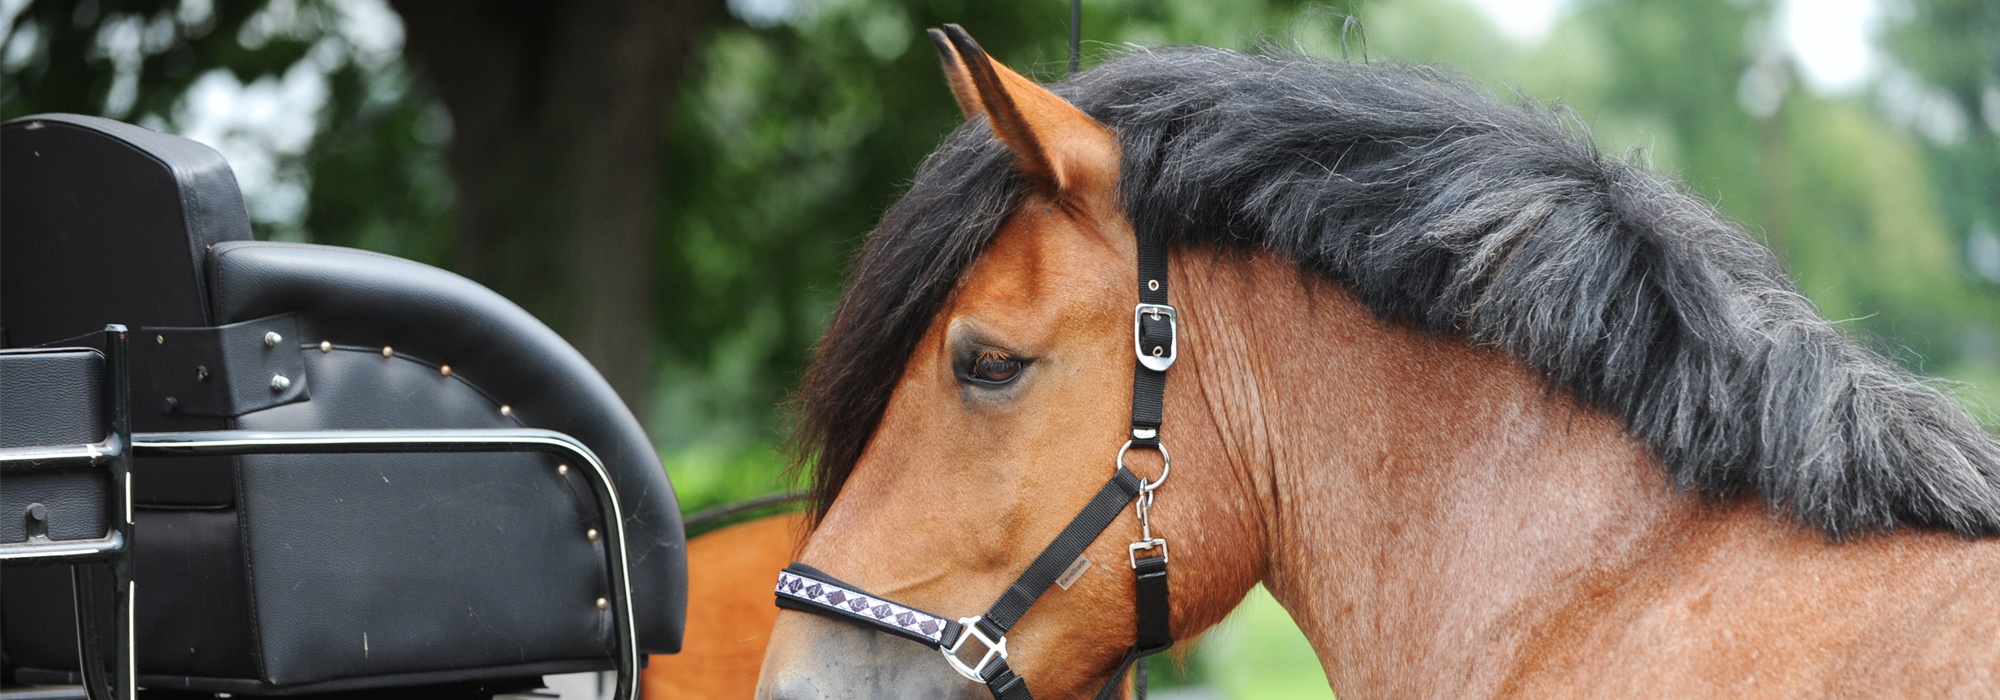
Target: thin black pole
(1075,33)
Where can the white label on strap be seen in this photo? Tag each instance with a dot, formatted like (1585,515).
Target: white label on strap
(1074,572)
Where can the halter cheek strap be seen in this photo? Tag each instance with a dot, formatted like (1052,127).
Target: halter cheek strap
(1155,335)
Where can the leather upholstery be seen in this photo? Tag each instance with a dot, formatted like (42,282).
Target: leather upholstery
(419,562)
(136,211)
(361,299)
(50,398)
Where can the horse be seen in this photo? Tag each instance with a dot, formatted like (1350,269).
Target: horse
(729,613)
(1489,413)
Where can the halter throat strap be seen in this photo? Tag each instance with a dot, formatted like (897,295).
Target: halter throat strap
(1155,344)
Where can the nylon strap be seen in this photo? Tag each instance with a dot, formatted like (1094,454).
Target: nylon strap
(1149,387)
(1081,531)
(1151,588)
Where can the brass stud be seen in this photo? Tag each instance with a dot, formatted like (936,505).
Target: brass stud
(592,534)
(602,603)
(562,470)
(506,410)
(388,351)
(159,340)
(201,373)
(445,370)
(326,346)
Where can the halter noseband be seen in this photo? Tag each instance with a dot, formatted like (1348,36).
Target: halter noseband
(1155,333)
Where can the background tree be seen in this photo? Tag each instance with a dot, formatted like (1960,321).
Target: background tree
(556,111)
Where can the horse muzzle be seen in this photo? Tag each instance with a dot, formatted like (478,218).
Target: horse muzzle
(815,658)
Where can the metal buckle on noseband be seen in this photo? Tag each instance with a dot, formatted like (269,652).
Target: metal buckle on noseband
(969,629)
(1161,354)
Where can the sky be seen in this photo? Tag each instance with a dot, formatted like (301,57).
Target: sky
(1832,40)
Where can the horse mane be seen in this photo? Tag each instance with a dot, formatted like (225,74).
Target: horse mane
(1450,212)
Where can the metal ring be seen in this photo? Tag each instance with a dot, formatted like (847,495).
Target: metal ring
(1144,485)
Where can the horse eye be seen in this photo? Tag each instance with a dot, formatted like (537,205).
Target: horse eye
(995,369)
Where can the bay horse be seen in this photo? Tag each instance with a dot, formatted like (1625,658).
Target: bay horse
(729,613)
(1490,414)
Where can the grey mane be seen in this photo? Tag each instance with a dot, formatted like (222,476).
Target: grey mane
(1450,212)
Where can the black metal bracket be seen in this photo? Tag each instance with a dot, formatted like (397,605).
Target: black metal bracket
(222,370)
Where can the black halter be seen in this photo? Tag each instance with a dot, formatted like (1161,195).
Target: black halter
(1154,341)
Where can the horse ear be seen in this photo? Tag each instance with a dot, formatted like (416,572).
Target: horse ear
(1058,147)
(955,73)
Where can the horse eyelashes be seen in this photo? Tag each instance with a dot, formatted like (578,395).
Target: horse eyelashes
(993,367)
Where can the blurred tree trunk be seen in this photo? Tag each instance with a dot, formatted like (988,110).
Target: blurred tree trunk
(557,111)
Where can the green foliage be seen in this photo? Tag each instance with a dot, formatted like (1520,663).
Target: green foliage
(127,59)
(373,172)
(1259,654)
(377,172)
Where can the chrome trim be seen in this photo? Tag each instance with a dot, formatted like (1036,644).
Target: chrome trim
(19,459)
(47,551)
(243,442)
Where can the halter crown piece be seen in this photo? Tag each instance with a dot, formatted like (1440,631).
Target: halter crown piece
(1155,336)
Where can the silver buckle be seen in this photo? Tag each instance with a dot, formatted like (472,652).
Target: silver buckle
(1157,363)
(1132,551)
(969,628)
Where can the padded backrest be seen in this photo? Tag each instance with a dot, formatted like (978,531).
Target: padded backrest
(104,222)
(51,398)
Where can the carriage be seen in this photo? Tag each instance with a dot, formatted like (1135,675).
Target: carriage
(235,467)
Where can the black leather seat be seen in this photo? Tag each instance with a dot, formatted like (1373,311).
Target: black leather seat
(295,573)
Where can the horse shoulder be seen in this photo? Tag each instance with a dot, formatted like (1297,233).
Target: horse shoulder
(1757,607)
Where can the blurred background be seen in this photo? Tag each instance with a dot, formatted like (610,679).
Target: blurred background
(676,185)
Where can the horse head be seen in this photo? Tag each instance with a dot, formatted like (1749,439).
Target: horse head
(1007,416)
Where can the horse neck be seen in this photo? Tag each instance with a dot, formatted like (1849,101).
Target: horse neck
(1421,501)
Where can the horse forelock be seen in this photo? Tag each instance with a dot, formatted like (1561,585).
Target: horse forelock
(1447,211)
